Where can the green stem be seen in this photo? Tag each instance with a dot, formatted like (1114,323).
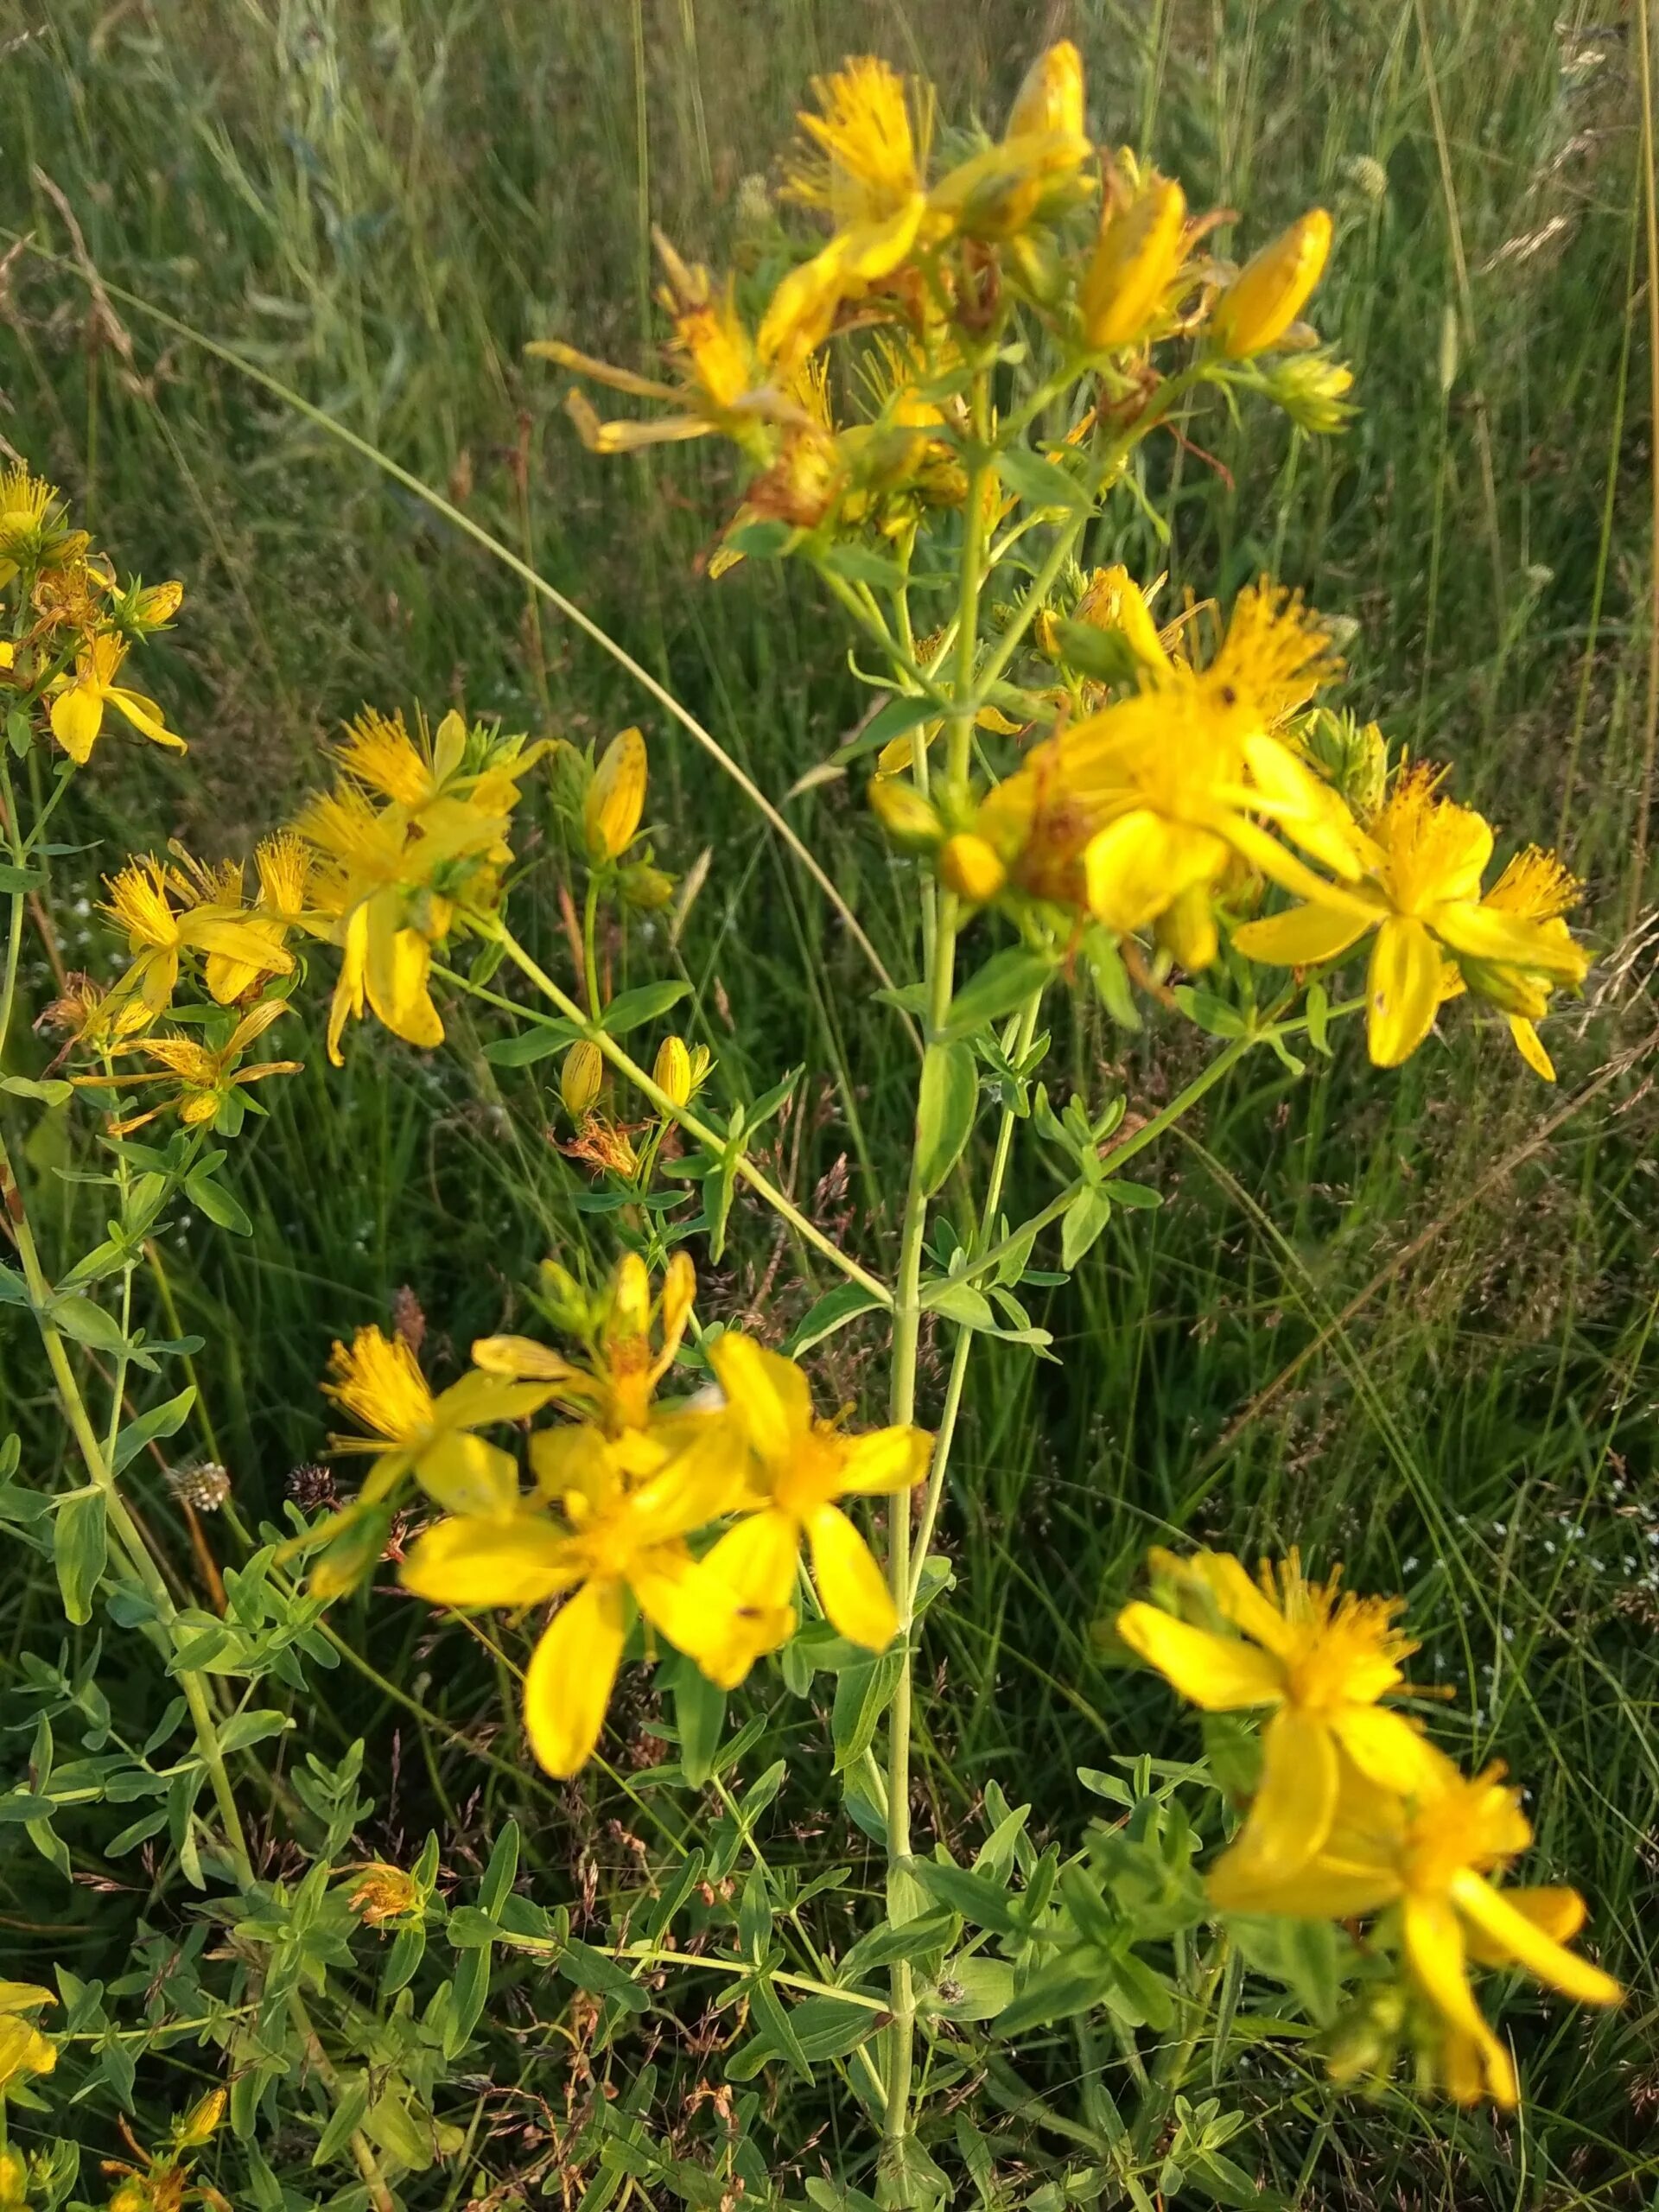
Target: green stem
(589,952)
(693,1125)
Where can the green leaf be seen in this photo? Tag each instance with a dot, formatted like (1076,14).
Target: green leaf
(1006,981)
(700,1716)
(496,1885)
(983,1903)
(50,1093)
(945,1112)
(14,1290)
(632,1008)
(863,1694)
(911,1939)
(827,1314)
(241,1729)
(1041,483)
(986,1984)
(1141,1195)
(1213,1015)
(13,879)
(601,1977)
(900,713)
(87,1323)
(860,565)
(80,1548)
(957,1302)
(468,1929)
(525,1047)
(1082,1222)
(908,2179)
(1079,1981)
(821,2028)
(352,2101)
(1317,1010)
(203,1189)
(764,539)
(164,1419)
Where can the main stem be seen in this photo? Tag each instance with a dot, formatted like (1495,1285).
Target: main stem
(907,1304)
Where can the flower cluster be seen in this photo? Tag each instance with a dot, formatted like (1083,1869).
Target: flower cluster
(1357,1812)
(69,625)
(1168,807)
(626,1491)
(930,259)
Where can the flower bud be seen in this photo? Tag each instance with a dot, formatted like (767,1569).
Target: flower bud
(616,797)
(1136,259)
(361,1538)
(907,818)
(1051,98)
(629,1313)
(644,888)
(1271,290)
(200,2123)
(1312,391)
(972,869)
(580,1076)
(13,2179)
(671,1072)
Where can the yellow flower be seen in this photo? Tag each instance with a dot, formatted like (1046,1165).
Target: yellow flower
(382,1893)
(23,2049)
(972,867)
(632,1342)
(385,890)
(78,710)
(157,934)
(802,1465)
(1137,260)
(1430,1853)
(866,170)
(379,1383)
(1271,290)
(728,387)
(1317,1660)
(616,797)
(1537,886)
(1138,813)
(624,1547)
(206,1078)
(1422,898)
(26,502)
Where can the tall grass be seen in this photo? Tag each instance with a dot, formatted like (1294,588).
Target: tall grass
(1431,1357)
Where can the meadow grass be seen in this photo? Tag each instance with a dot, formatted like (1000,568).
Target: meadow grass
(1427,1351)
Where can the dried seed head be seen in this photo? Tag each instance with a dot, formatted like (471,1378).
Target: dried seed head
(202,1484)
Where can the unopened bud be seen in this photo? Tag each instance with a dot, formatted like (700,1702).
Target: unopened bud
(1135,262)
(907,818)
(972,869)
(1312,391)
(1049,101)
(1271,290)
(672,1072)
(580,1076)
(630,1308)
(13,2178)
(616,797)
(200,2123)
(645,888)
(355,1551)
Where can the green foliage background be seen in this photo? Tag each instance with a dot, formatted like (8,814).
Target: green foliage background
(1404,1320)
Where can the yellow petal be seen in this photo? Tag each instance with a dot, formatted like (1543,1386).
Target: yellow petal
(1387,1749)
(1135,867)
(522,1359)
(1530,1045)
(885,1461)
(1302,936)
(571,1676)
(677,1601)
(1403,990)
(1242,1600)
(1219,1674)
(1434,1947)
(856,1596)
(480,1398)
(493,1562)
(1508,1928)
(1559,1912)
(467,1475)
(1509,940)
(769,1392)
(1326,1888)
(756,1559)
(146,717)
(1290,1816)
(77,717)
